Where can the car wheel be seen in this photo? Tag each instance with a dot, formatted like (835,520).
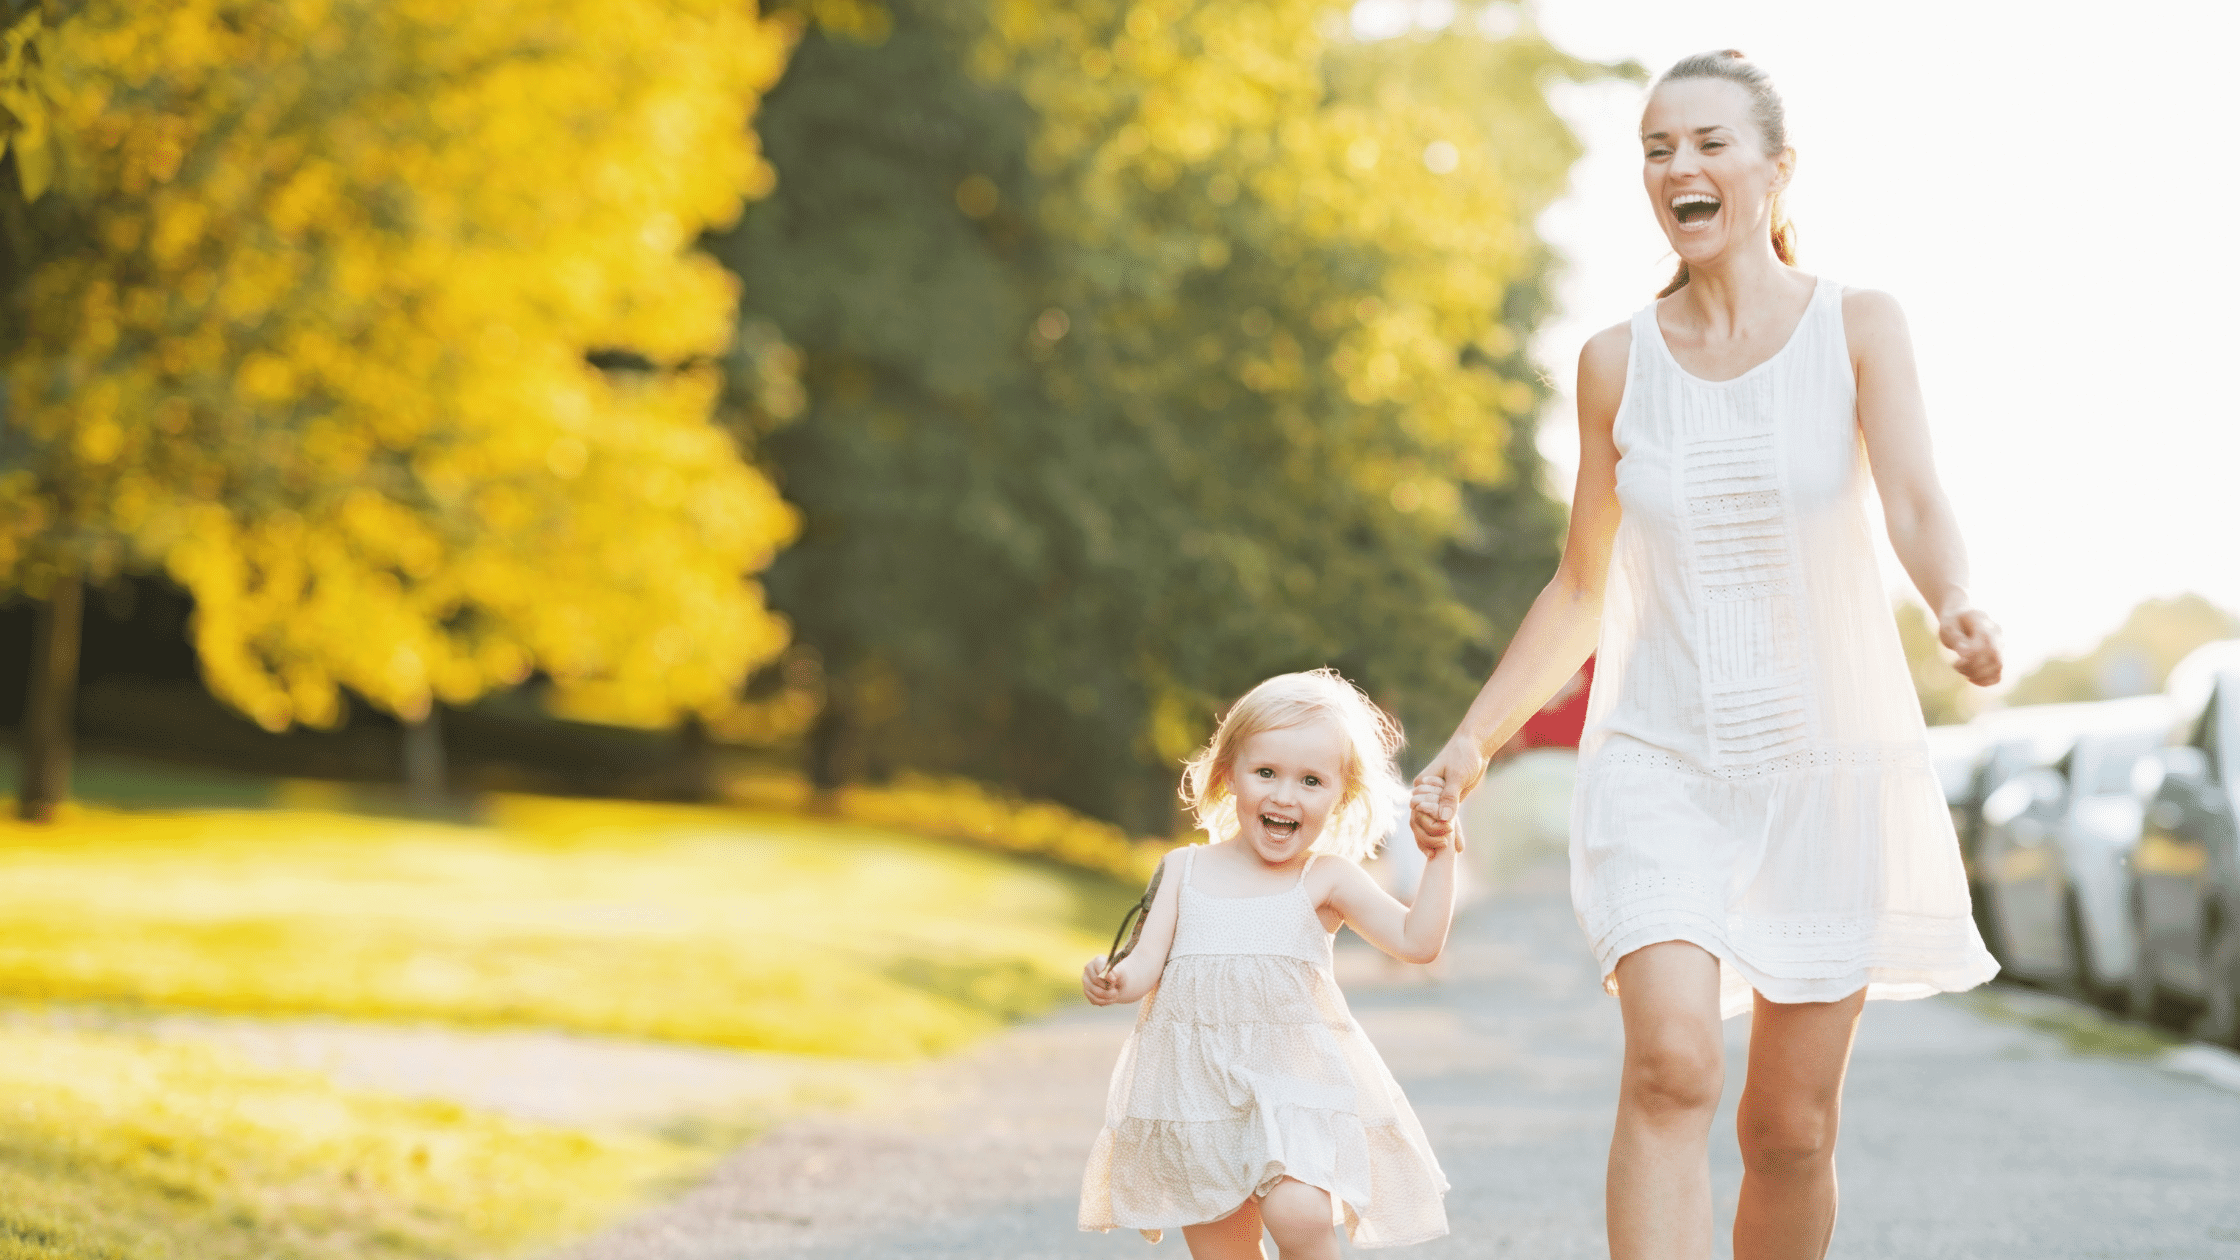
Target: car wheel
(1987,921)
(2142,994)
(2080,973)
(2220,1015)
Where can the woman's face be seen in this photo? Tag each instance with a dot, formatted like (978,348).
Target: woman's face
(1705,165)
(1286,783)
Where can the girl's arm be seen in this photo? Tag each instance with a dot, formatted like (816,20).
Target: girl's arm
(1560,630)
(1409,933)
(1139,972)
(1923,530)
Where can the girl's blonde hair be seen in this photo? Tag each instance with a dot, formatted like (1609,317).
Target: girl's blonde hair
(1374,793)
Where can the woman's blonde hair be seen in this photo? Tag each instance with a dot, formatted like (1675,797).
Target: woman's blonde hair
(1373,793)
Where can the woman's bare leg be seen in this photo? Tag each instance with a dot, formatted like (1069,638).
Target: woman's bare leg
(1233,1237)
(1298,1218)
(1787,1124)
(1659,1197)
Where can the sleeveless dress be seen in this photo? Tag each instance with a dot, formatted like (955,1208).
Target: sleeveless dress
(1245,1067)
(1754,777)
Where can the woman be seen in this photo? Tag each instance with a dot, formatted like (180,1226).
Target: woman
(1757,826)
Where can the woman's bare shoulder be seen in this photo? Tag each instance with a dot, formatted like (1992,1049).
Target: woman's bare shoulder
(1602,372)
(1607,350)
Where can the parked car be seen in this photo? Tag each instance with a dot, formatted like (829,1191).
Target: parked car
(2053,853)
(2185,884)
(2008,742)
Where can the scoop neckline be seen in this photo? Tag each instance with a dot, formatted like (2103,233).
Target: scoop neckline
(1657,331)
(1298,887)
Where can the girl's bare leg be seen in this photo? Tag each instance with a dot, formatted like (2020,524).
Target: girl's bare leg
(1298,1218)
(1233,1237)
(1787,1123)
(1659,1195)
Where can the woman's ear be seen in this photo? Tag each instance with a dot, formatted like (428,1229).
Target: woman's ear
(1785,168)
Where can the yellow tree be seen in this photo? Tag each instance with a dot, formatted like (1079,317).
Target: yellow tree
(312,319)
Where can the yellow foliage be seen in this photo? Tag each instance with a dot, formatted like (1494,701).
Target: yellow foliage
(121,1147)
(308,331)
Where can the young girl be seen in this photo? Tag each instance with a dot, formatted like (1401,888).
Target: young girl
(1247,1096)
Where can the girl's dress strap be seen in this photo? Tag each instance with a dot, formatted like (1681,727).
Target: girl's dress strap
(1189,851)
(1304,869)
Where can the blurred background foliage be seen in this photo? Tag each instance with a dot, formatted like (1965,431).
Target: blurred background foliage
(1146,349)
(1069,369)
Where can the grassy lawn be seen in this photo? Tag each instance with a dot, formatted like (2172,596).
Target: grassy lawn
(112,1146)
(672,922)
(758,931)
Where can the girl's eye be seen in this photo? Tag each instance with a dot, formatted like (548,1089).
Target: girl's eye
(1265,773)
(1313,781)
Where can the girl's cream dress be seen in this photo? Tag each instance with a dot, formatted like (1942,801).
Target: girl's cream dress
(1754,778)
(1245,1067)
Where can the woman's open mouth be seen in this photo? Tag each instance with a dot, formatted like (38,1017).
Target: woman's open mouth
(1695,210)
(1280,828)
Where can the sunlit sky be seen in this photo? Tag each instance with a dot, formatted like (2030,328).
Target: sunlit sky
(2048,189)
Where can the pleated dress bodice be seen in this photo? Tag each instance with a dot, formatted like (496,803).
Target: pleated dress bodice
(1754,774)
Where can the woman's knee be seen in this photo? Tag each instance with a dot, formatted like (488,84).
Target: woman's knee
(1296,1213)
(1784,1135)
(1674,1070)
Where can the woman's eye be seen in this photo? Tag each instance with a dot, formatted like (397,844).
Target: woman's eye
(1709,145)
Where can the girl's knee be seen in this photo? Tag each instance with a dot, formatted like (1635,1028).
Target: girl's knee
(1296,1213)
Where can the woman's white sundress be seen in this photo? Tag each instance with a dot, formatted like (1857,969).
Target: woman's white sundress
(1245,1067)
(1754,776)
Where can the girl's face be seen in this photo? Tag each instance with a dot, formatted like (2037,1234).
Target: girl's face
(1709,177)
(1286,783)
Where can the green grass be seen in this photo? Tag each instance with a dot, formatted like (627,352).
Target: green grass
(2081,1029)
(111,1146)
(673,922)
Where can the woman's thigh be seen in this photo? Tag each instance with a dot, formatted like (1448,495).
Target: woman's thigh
(1668,994)
(1798,1054)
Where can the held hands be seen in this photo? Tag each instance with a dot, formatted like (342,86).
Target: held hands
(1436,800)
(1974,637)
(1100,987)
(1435,843)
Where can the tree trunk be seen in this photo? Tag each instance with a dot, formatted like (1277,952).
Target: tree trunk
(44,749)
(423,761)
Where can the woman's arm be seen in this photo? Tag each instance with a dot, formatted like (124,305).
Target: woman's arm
(1560,630)
(1139,972)
(1923,530)
(1411,933)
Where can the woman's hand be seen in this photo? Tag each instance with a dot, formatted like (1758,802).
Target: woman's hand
(1436,800)
(1974,637)
(1099,986)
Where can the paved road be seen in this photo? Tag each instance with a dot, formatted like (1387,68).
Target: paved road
(1969,1132)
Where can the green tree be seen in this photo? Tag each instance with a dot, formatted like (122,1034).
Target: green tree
(2135,658)
(1149,349)
(313,321)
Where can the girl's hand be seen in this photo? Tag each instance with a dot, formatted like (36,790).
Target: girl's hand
(1974,637)
(1437,798)
(1433,843)
(1097,986)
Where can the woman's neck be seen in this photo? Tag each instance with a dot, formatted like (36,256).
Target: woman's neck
(1728,294)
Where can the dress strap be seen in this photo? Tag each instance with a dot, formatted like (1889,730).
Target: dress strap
(1304,869)
(1189,851)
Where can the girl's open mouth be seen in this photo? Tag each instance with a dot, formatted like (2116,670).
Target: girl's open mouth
(1282,828)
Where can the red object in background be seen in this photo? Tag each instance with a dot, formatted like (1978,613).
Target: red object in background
(1559,722)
